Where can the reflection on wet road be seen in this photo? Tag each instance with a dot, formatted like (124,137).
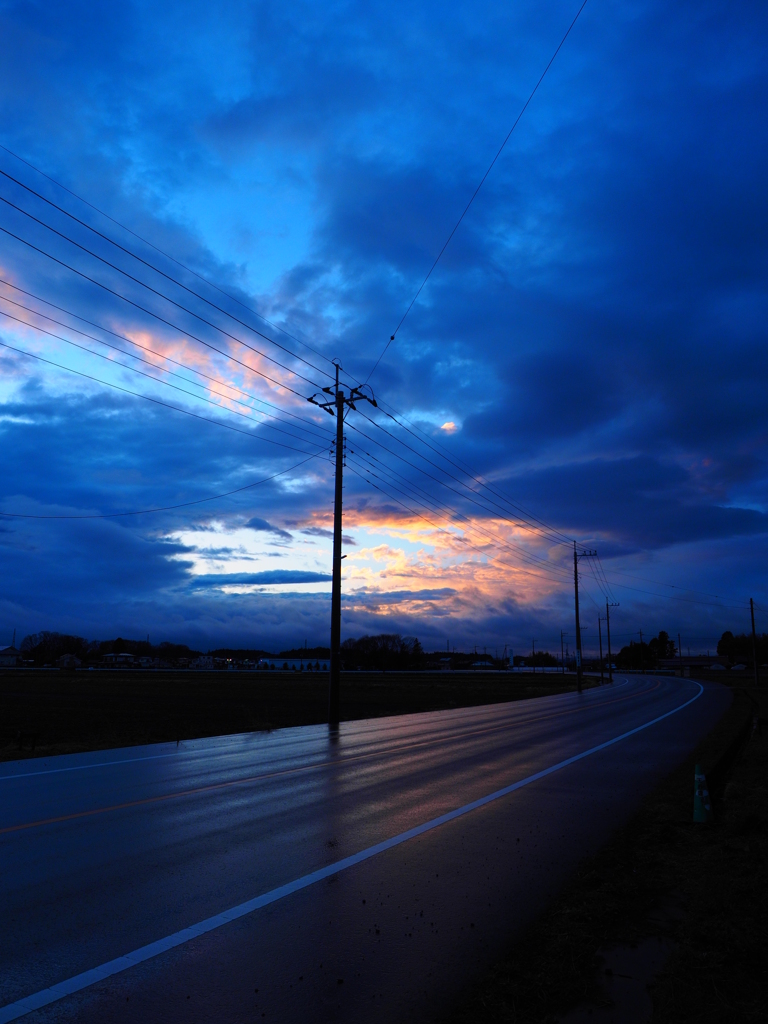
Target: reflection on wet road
(103,853)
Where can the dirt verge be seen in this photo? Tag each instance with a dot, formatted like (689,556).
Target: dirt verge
(698,890)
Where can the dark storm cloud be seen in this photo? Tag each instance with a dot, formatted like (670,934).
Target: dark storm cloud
(270,577)
(319,531)
(262,526)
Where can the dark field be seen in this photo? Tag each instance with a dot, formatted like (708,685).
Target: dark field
(55,712)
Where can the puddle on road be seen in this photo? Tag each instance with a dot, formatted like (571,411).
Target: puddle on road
(624,977)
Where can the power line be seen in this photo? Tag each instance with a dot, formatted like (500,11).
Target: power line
(147,264)
(151,266)
(168,256)
(159,294)
(168,508)
(523,525)
(418,515)
(402,458)
(159,355)
(156,316)
(165,383)
(598,572)
(458,464)
(474,194)
(446,512)
(148,398)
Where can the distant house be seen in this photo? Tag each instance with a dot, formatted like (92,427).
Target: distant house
(10,657)
(123,660)
(204,661)
(69,661)
(292,665)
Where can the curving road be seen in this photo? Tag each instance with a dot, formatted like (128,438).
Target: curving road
(308,876)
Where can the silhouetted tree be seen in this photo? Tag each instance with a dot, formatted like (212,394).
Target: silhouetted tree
(388,651)
(46,648)
(739,648)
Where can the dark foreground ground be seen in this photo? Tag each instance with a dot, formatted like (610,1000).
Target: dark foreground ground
(669,922)
(55,712)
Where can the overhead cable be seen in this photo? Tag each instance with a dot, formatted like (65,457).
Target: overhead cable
(150,266)
(156,316)
(148,398)
(162,252)
(167,508)
(317,429)
(464,212)
(165,383)
(161,295)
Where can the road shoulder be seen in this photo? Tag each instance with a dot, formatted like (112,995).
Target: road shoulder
(699,891)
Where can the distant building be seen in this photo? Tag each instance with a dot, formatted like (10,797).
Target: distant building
(687,665)
(292,665)
(10,657)
(123,660)
(69,661)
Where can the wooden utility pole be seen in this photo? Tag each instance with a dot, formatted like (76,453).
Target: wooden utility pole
(754,640)
(578,627)
(600,638)
(336,406)
(584,554)
(608,627)
(562,657)
(642,658)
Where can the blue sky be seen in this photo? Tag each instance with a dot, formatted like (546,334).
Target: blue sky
(591,347)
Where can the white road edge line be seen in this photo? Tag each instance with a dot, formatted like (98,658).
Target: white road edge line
(12,1011)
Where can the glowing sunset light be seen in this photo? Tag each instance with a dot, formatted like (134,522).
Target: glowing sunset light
(449,427)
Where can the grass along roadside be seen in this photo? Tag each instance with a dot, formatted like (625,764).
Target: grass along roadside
(700,888)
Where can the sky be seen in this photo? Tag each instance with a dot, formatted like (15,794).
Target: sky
(232,196)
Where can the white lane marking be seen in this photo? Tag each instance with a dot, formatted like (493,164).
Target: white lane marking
(228,748)
(82,767)
(12,1011)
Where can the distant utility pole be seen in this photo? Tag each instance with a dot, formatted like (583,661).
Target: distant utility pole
(642,659)
(754,640)
(680,653)
(600,638)
(562,659)
(337,406)
(533,655)
(608,627)
(576,556)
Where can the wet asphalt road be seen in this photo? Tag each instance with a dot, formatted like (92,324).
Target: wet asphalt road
(105,852)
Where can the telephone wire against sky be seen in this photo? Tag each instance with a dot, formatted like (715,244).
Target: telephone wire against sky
(168,508)
(474,194)
(162,252)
